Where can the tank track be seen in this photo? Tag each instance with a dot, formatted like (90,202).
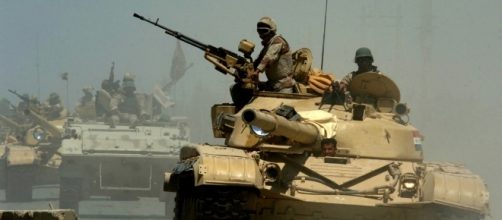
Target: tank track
(212,202)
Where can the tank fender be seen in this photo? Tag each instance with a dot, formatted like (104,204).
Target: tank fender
(455,186)
(215,165)
(223,165)
(20,155)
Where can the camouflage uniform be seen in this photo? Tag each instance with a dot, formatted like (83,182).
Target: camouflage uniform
(347,79)
(275,58)
(125,107)
(53,109)
(364,60)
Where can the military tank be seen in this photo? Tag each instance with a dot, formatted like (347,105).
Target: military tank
(119,161)
(29,156)
(271,165)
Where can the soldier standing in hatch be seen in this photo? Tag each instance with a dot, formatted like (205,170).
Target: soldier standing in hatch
(126,106)
(86,108)
(53,109)
(364,61)
(328,147)
(275,58)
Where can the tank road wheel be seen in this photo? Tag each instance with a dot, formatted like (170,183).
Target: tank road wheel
(19,183)
(69,193)
(213,202)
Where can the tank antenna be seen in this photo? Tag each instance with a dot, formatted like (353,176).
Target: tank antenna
(324,34)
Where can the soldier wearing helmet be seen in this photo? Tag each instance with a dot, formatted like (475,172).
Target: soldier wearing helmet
(126,107)
(86,108)
(275,58)
(364,61)
(53,109)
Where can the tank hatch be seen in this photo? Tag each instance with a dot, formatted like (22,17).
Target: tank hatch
(375,85)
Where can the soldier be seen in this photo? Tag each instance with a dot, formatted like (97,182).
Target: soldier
(86,108)
(328,147)
(364,61)
(53,109)
(275,58)
(126,108)
(110,91)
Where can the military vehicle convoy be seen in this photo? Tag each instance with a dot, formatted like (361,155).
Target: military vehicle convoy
(271,165)
(31,158)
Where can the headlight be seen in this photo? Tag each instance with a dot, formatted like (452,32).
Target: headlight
(408,186)
(39,134)
(258,131)
(271,172)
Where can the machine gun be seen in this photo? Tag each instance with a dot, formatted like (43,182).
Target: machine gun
(24,98)
(225,61)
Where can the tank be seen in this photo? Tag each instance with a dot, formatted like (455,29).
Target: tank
(51,214)
(29,155)
(271,165)
(119,161)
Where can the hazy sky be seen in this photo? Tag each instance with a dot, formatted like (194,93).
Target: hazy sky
(444,55)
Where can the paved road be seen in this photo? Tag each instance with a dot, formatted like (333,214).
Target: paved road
(96,209)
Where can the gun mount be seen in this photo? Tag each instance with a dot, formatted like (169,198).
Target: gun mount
(224,60)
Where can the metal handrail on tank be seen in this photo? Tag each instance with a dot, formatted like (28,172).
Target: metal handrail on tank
(42,122)
(277,125)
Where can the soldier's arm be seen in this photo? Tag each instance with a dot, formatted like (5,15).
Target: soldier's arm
(271,56)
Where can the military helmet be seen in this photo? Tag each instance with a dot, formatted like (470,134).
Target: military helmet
(363,52)
(88,89)
(267,23)
(128,77)
(53,96)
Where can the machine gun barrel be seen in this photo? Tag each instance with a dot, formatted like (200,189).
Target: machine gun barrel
(277,125)
(174,33)
(19,95)
(223,59)
(42,122)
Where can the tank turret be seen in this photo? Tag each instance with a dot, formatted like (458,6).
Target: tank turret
(54,132)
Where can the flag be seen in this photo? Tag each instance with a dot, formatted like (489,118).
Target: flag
(64,76)
(178,65)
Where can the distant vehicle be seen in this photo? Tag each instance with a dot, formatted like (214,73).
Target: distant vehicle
(120,162)
(30,156)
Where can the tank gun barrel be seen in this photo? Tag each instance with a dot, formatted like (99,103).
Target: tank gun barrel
(9,122)
(40,120)
(277,125)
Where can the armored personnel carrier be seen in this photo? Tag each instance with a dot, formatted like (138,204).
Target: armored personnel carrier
(273,166)
(119,161)
(29,156)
